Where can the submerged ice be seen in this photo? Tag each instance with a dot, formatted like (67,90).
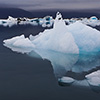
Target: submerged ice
(94,78)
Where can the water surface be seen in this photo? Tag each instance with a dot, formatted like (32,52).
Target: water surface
(25,77)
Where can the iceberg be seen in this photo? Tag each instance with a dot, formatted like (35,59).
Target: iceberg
(57,39)
(8,22)
(63,63)
(72,50)
(92,21)
(74,38)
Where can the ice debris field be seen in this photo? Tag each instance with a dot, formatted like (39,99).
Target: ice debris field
(76,38)
(47,21)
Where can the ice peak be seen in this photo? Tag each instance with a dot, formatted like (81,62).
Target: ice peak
(58,16)
(59,23)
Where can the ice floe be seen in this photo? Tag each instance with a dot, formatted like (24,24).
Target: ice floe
(47,21)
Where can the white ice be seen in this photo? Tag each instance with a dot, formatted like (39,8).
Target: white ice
(19,42)
(68,80)
(87,38)
(48,21)
(73,39)
(94,78)
(57,39)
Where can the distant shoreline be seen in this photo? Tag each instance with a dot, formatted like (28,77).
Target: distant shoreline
(16,12)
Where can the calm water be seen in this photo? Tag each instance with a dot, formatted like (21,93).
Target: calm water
(23,77)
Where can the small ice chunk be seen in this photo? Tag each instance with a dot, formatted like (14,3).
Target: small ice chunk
(66,80)
(94,19)
(11,18)
(94,78)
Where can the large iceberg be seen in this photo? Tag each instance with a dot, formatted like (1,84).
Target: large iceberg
(57,39)
(61,45)
(73,39)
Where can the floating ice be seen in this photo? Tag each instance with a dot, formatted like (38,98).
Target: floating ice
(57,39)
(66,80)
(8,22)
(19,42)
(94,78)
(74,38)
(44,22)
(47,21)
(14,39)
(92,21)
(87,38)
(69,38)
(63,63)
(70,48)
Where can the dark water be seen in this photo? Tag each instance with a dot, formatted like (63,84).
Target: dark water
(27,78)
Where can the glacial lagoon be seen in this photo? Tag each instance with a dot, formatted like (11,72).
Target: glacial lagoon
(38,74)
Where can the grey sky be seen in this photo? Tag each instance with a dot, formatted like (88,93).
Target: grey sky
(51,4)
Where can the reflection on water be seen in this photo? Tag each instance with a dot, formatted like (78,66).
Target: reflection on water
(61,63)
(67,65)
(71,66)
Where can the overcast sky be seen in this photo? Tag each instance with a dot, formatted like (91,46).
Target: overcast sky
(51,4)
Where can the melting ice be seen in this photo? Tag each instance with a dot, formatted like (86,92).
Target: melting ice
(73,48)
